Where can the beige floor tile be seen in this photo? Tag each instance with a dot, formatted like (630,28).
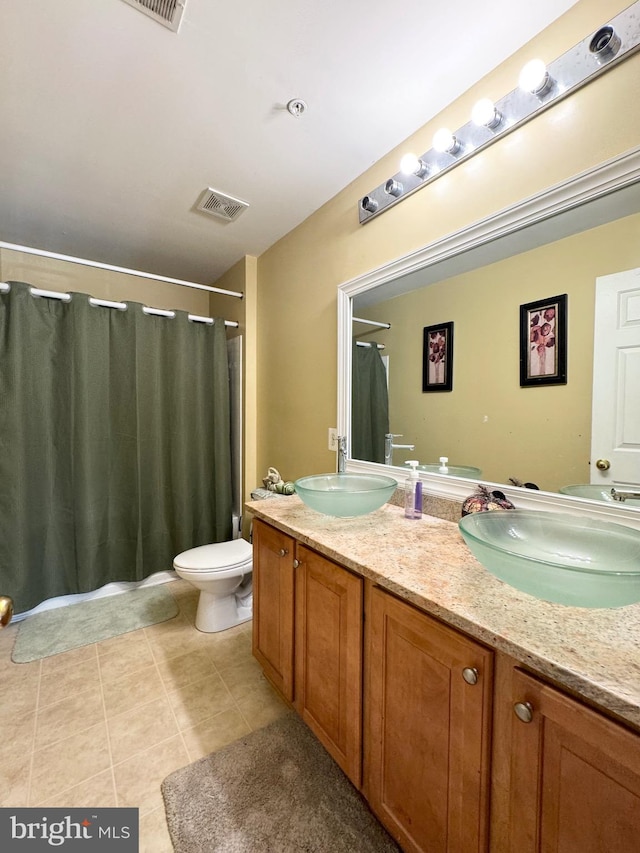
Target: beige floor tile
(67,763)
(137,688)
(82,677)
(231,647)
(18,697)
(154,835)
(199,700)
(215,733)
(139,778)
(178,671)
(177,640)
(125,660)
(56,663)
(262,706)
(14,781)
(63,719)
(242,677)
(17,735)
(141,728)
(16,674)
(98,792)
(129,641)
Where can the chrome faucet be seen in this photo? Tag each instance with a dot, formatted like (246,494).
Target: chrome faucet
(342,454)
(623,496)
(389,447)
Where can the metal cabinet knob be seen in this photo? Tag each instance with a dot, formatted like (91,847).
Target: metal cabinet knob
(603,464)
(524,711)
(470,674)
(296,563)
(283,552)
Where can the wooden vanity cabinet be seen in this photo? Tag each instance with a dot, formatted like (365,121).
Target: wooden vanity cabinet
(328,657)
(273,605)
(307,635)
(428,729)
(567,777)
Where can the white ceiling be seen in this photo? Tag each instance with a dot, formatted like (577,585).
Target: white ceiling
(112,125)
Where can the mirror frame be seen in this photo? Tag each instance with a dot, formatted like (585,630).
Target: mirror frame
(613,175)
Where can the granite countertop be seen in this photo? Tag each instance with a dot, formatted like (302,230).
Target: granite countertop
(593,652)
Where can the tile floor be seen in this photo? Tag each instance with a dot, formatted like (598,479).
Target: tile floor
(104,724)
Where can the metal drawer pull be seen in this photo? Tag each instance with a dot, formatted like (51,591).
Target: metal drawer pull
(296,563)
(470,674)
(524,711)
(283,552)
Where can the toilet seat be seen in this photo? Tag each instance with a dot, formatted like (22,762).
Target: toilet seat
(219,558)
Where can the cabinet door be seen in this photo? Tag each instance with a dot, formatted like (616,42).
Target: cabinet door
(428,729)
(575,776)
(329,657)
(273,603)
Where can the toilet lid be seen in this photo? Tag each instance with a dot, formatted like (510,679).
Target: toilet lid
(219,555)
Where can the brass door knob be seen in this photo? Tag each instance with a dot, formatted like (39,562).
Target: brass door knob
(603,464)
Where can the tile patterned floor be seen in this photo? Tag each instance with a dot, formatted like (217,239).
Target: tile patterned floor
(104,724)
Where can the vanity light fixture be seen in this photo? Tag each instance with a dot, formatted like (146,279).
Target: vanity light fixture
(485,114)
(535,78)
(412,165)
(605,44)
(611,43)
(393,187)
(445,142)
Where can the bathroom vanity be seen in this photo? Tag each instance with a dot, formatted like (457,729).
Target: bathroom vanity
(471,716)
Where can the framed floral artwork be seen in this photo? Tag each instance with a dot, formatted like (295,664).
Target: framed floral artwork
(437,358)
(543,342)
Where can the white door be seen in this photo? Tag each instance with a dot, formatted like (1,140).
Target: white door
(615,422)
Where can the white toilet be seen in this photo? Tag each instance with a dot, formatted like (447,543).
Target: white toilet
(222,573)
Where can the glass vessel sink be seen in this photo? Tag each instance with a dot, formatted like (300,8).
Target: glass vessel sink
(467,471)
(558,557)
(596,493)
(345,495)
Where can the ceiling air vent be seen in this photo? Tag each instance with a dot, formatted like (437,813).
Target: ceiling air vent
(165,12)
(221,205)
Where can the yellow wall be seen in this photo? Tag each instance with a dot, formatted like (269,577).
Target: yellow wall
(298,276)
(488,421)
(243,277)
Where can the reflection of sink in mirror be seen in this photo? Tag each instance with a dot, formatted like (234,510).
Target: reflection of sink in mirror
(595,493)
(467,471)
(556,557)
(345,495)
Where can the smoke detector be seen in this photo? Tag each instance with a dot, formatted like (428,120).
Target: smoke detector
(221,205)
(166,12)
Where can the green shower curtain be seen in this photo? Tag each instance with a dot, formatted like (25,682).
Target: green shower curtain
(114,443)
(369,404)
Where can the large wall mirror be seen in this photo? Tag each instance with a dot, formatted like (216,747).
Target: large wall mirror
(487,421)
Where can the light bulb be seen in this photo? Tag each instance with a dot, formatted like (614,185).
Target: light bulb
(534,78)
(445,141)
(412,165)
(485,114)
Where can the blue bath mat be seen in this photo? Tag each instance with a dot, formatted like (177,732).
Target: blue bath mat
(54,631)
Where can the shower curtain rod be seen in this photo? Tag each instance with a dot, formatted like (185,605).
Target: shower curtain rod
(41,253)
(368,344)
(371,322)
(119,306)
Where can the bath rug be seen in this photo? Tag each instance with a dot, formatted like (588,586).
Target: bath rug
(276,790)
(54,631)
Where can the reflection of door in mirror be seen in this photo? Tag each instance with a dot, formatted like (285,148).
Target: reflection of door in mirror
(615,423)
(369,402)
(536,434)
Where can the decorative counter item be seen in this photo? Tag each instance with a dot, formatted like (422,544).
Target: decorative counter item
(484,500)
(273,482)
